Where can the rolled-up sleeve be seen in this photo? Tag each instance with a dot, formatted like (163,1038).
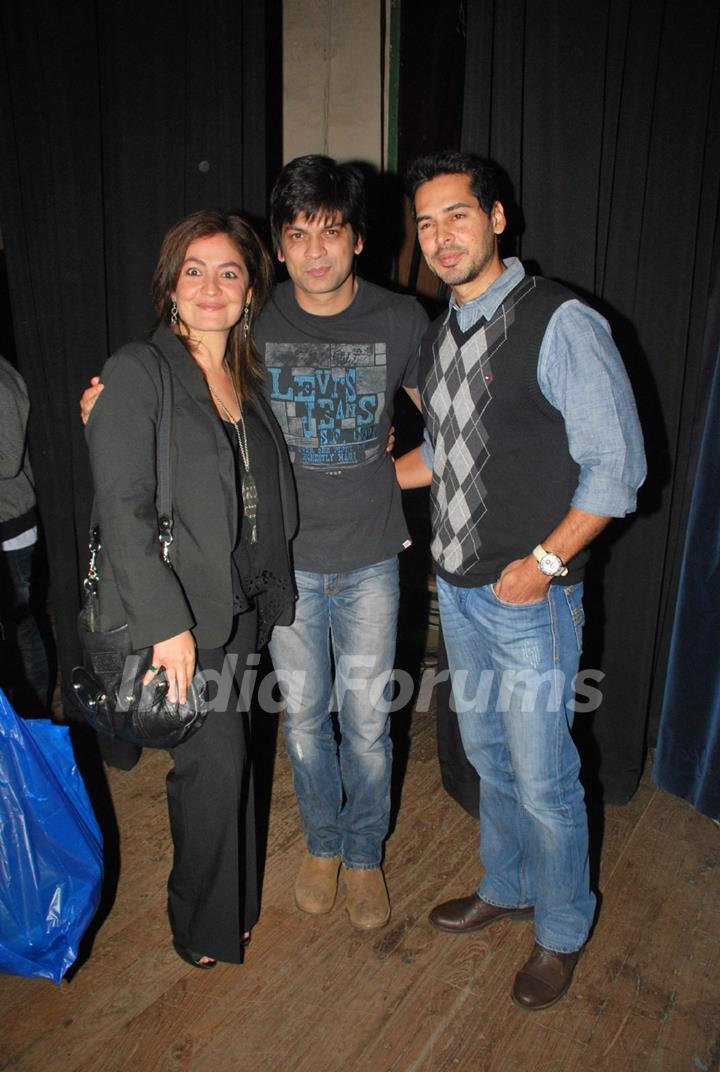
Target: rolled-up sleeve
(581,374)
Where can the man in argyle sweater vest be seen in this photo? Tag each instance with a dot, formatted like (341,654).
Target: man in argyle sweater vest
(533,446)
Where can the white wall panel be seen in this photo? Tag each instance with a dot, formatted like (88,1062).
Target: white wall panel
(331,83)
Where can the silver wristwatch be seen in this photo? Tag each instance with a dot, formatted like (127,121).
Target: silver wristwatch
(549,563)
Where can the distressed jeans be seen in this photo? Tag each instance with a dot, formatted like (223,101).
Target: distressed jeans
(512,668)
(343,788)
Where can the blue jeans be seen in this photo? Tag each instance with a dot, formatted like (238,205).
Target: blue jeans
(343,790)
(512,668)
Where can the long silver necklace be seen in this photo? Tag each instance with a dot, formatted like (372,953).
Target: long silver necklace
(248,487)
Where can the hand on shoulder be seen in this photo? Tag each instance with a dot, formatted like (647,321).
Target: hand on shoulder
(89,397)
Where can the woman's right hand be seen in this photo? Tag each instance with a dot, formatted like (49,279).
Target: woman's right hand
(177,654)
(89,397)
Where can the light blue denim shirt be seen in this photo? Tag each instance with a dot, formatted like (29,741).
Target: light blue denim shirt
(581,374)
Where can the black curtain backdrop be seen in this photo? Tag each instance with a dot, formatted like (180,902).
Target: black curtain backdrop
(687,761)
(606,117)
(115,120)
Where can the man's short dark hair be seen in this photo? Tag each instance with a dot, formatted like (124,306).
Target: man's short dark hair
(317,185)
(485,181)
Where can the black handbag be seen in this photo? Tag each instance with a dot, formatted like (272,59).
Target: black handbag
(109,686)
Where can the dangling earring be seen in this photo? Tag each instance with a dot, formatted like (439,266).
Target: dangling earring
(174,313)
(246,321)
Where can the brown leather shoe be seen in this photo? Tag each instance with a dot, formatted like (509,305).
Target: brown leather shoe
(316,884)
(544,978)
(472,914)
(367,902)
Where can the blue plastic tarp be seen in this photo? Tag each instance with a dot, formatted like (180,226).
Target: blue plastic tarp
(50,848)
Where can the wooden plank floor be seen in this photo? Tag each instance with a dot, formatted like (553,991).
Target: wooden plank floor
(316,996)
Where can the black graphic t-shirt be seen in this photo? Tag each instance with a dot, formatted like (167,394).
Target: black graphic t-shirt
(332,381)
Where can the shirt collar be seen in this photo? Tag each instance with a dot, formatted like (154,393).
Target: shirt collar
(487,303)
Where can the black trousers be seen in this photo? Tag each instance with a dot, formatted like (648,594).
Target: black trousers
(459,777)
(24,662)
(213,887)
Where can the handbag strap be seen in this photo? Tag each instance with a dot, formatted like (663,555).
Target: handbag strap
(163,471)
(163,496)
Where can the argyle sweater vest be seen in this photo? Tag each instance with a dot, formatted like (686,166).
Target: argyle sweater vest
(503,477)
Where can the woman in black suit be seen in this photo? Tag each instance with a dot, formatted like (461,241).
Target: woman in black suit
(234,514)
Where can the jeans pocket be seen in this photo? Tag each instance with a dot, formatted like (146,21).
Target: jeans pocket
(516,606)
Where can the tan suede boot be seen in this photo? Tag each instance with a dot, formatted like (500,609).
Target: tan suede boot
(316,884)
(367,901)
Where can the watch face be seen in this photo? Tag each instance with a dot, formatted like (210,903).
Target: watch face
(550,564)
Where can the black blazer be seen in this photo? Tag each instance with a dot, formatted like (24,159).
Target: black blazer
(135,585)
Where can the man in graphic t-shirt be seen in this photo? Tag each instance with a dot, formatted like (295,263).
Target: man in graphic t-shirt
(337,349)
